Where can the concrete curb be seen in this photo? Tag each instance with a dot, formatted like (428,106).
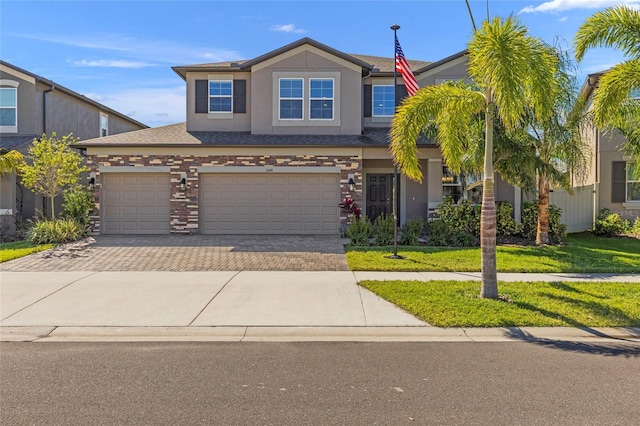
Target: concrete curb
(317,334)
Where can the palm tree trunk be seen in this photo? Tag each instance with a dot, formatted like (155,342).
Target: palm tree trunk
(488,216)
(542,234)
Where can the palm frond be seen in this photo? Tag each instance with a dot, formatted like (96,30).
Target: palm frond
(450,108)
(611,99)
(617,27)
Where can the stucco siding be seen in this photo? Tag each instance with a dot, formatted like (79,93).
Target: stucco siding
(306,64)
(238,122)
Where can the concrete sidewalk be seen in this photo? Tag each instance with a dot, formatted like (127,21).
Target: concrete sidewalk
(241,306)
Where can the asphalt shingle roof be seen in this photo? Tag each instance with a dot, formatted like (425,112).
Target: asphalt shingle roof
(19,143)
(177,135)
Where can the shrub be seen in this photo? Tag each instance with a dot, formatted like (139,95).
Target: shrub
(360,231)
(462,239)
(635,229)
(557,230)
(609,224)
(411,231)
(383,230)
(437,233)
(462,218)
(506,225)
(77,204)
(56,231)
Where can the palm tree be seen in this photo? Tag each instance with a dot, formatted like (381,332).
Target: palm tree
(617,27)
(514,71)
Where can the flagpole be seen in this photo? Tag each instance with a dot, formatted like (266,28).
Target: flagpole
(395,28)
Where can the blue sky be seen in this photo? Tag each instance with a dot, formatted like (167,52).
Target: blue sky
(120,53)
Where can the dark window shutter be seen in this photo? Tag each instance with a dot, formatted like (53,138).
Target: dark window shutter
(202,96)
(368,104)
(619,182)
(240,96)
(401,93)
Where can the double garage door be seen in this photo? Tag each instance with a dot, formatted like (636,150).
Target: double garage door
(229,203)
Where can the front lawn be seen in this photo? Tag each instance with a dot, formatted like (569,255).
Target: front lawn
(16,249)
(582,252)
(536,304)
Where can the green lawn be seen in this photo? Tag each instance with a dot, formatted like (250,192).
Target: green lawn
(10,251)
(582,252)
(455,303)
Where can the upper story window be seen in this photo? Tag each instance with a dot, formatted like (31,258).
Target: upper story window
(220,95)
(383,101)
(104,125)
(9,109)
(321,99)
(291,99)
(633,183)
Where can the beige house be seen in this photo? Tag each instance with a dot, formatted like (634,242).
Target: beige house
(31,105)
(611,175)
(272,145)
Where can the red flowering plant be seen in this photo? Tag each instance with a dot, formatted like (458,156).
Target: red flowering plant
(350,207)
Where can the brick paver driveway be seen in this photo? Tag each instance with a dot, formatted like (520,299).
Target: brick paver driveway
(195,253)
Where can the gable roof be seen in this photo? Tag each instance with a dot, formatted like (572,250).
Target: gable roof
(76,95)
(245,65)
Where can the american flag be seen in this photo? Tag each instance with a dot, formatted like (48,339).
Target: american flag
(402,66)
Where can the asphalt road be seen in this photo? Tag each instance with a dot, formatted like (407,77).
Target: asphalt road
(542,383)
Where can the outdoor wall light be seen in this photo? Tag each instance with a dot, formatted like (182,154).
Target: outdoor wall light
(352,184)
(183,182)
(92,181)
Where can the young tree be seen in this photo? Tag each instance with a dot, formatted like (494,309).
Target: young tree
(514,72)
(617,27)
(54,166)
(10,161)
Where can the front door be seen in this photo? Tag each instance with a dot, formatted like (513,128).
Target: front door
(379,195)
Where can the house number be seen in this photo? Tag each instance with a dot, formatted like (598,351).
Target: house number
(268,169)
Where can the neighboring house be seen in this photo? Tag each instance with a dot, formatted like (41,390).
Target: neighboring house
(31,105)
(611,176)
(272,145)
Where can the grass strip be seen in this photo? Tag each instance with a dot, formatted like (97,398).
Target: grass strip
(536,304)
(17,249)
(582,253)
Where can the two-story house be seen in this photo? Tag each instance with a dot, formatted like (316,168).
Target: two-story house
(615,186)
(271,145)
(31,105)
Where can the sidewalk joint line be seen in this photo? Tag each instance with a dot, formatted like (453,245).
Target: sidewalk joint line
(50,294)
(211,300)
(364,314)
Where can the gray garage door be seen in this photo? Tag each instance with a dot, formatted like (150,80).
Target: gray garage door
(135,203)
(246,203)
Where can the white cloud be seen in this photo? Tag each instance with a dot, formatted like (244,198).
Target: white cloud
(112,63)
(151,106)
(563,19)
(553,6)
(153,50)
(288,28)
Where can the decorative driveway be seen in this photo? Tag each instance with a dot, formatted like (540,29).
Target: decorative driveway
(193,253)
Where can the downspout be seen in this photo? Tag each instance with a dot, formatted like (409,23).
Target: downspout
(44,107)
(44,131)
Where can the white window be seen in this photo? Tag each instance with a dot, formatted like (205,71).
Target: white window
(291,99)
(9,109)
(220,96)
(104,125)
(383,100)
(633,183)
(321,99)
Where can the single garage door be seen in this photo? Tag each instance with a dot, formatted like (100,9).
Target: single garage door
(265,203)
(135,203)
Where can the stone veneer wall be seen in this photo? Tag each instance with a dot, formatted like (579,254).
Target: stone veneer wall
(184,205)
